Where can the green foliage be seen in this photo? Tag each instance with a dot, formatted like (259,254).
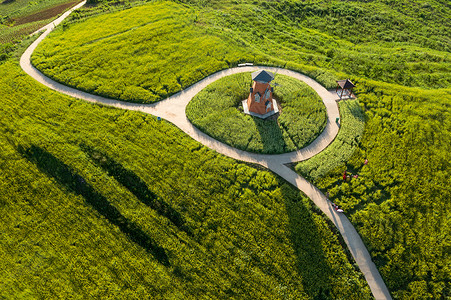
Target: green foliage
(155,53)
(5,50)
(23,17)
(131,55)
(86,192)
(217,110)
(341,149)
(136,186)
(384,41)
(400,208)
(399,202)
(392,21)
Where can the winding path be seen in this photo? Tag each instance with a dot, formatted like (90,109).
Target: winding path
(173,110)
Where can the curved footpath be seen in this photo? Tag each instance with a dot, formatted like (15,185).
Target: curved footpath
(173,110)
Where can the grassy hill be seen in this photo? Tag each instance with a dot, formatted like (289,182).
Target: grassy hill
(137,54)
(98,202)
(398,53)
(399,202)
(217,110)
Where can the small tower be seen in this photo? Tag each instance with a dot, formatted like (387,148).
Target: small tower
(260,97)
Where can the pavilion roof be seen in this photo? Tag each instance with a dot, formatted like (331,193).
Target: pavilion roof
(345,84)
(262,76)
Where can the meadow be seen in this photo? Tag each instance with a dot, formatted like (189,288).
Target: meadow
(399,201)
(217,111)
(105,203)
(18,18)
(159,51)
(127,58)
(398,54)
(352,123)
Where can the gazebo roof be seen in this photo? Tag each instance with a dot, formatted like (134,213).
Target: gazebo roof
(345,84)
(262,76)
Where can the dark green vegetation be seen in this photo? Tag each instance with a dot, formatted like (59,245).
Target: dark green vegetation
(19,18)
(341,149)
(217,110)
(104,203)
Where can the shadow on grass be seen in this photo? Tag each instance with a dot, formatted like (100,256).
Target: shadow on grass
(136,186)
(311,261)
(271,135)
(355,109)
(68,178)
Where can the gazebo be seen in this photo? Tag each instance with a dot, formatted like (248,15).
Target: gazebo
(260,102)
(345,86)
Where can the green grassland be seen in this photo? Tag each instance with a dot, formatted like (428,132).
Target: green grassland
(398,53)
(341,149)
(400,200)
(217,111)
(104,203)
(404,42)
(157,51)
(19,18)
(137,55)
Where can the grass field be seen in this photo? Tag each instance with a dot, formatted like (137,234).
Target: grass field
(217,111)
(340,151)
(399,200)
(19,18)
(128,58)
(398,53)
(98,202)
(131,62)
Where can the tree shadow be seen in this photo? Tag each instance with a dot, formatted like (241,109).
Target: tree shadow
(69,179)
(307,243)
(136,186)
(270,134)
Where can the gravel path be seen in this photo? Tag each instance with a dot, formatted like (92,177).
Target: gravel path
(173,110)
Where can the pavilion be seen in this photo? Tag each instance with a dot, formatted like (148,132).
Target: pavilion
(344,87)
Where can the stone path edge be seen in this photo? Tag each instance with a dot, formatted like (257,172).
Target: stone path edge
(173,110)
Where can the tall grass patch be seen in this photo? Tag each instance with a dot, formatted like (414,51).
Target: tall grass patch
(103,203)
(217,110)
(342,148)
(143,54)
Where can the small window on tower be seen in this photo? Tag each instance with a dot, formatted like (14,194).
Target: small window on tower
(257,97)
(267,94)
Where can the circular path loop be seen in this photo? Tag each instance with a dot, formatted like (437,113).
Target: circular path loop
(173,110)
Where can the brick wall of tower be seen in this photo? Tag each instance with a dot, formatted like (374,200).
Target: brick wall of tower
(260,107)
